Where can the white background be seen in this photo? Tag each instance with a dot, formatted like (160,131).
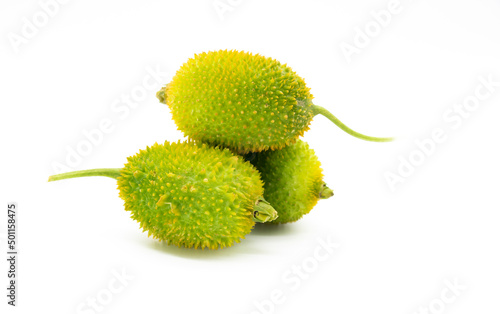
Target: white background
(398,247)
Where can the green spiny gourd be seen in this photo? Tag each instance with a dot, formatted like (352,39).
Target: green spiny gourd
(293,180)
(189,195)
(243,101)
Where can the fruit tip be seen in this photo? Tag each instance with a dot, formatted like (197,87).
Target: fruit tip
(161,95)
(263,211)
(325,192)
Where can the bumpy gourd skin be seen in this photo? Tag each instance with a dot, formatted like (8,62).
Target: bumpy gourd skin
(293,180)
(239,100)
(191,195)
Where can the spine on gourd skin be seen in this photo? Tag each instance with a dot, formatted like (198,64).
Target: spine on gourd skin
(245,102)
(200,197)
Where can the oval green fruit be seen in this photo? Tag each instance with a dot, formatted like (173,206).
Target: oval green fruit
(243,101)
(189,195)
(293,180)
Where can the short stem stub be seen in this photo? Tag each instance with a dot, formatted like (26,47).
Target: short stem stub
(325,192)
(327,114)
(161,95)
(263,211)
(103,172)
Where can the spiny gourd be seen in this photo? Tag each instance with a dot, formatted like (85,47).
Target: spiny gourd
(243,101)
(189,195)
(293,180)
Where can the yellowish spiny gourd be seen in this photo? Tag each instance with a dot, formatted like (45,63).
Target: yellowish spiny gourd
(243,101)
(188,194)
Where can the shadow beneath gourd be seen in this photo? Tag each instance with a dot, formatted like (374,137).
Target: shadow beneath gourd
(246,247)
(274,229)
(251,245)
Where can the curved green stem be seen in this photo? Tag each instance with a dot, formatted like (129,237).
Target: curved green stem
(322,111)
(103,172)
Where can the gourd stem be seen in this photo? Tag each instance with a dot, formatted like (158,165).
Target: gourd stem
(103,172)
(322,111)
